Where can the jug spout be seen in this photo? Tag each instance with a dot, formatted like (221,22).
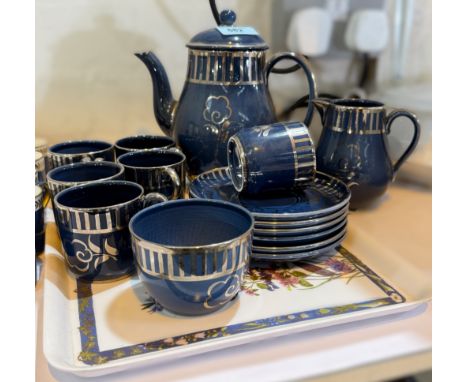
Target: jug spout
(163,102)
(321,105)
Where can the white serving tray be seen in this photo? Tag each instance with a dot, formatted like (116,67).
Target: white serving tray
(102,328)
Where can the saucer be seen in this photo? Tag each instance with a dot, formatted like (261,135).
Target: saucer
(296,240)
(300,223)
(279,248)
(324,196)
(266,256)
(295,231)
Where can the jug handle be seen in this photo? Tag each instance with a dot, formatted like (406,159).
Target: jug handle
(308,72)
(414,141)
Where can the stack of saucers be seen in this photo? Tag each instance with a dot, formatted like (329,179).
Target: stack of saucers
(289,225)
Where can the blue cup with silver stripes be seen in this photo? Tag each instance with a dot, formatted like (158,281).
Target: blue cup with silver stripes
(80,151)
(157,170)
(279,156)
(192,255)
(93,224)
(74,174)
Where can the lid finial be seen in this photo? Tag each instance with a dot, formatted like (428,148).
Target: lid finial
(228,17)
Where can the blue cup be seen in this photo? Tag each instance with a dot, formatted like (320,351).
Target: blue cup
(157,170)
(142,142)
(39,221)
(75,174)
(191,255)
(79,151)
(93,224)
(280,156)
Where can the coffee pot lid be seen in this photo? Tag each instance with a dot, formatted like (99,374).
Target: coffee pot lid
(228,37)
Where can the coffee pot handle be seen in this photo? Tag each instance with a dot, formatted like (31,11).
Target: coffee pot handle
(310,78)
(417,132)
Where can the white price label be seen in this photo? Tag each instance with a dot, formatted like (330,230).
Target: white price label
(229,31)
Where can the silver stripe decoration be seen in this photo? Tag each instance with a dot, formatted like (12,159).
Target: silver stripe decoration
(304,152)
(59,160)
(192,266)
(364,122)
(236,259)
(225,260)
(139,254)
(216,66)
(97,219)
(105,222)
(160,263)
(170,267)
(241,68)
(137,251)
(78,220)
(207,67)
(217,72)
(55,188)
(151,258)
(108,219)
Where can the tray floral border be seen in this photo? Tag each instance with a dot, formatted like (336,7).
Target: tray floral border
(92,355)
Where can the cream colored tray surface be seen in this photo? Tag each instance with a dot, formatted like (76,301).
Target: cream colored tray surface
(102,328)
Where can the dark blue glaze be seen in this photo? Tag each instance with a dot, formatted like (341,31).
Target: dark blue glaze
(191,255)
(325,195)
(226,89)
(207,117)
(156,170)
(353,146)
(79,151)
(142,142)
(272,157)
(183,298)
(93,224)
(228,17)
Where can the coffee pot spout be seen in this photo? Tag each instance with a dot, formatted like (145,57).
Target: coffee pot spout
(163,103)
(321,105)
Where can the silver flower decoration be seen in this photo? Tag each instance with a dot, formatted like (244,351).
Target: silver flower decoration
(90,253)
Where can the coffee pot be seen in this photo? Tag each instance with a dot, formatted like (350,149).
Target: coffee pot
(353,145)
(226,89)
